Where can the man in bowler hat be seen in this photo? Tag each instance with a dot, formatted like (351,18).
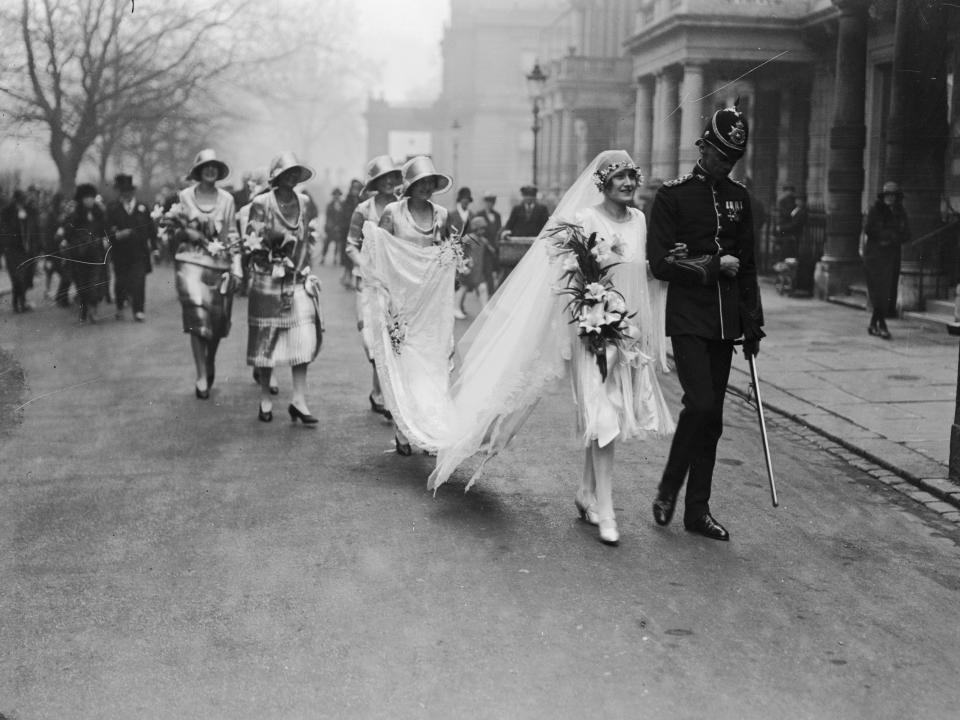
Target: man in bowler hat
(700,241)
(132,238)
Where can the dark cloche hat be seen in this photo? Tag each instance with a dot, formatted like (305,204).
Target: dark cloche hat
(727,131)
(529,191)
(85,190)
(464,192)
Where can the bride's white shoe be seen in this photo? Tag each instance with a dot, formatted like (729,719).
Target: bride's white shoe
(608,531)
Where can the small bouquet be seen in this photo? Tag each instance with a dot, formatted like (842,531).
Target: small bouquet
(272,248)
(598,309)
(451,251)
(203,234)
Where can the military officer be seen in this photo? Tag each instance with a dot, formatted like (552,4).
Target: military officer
(700,240)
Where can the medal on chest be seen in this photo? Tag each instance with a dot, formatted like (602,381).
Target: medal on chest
(733,208)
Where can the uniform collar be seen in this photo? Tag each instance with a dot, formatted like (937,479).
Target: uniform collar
(699,173)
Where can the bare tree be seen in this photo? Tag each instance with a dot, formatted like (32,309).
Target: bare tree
(86,70)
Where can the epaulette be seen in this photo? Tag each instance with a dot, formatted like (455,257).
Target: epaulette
(737,182)
(678,181)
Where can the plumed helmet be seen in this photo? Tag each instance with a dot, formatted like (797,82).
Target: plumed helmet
(727,131)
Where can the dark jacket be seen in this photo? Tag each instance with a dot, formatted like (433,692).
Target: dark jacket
(19,237)
(135,248)
(85,233)
(886,228)
(712,220)
(455,224)
(523,223)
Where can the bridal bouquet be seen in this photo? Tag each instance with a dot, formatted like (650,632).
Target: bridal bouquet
(597,308)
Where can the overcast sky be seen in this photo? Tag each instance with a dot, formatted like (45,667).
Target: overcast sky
(402,39)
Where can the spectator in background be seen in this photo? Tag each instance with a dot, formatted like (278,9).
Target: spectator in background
(528,218)
(334,218)
(20,243)
(885,231)
(85,232)
(132,235)
(494,226)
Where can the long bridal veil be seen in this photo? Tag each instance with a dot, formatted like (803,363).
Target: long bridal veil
(519,345)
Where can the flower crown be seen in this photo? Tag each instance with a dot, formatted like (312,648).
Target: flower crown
(601,176)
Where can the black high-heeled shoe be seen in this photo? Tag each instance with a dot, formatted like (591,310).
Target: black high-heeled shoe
(379,408)
(297,414)
(402,448)
(264,415)
(201,394)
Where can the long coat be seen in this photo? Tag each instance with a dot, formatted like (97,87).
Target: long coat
(133,250)
(86,236)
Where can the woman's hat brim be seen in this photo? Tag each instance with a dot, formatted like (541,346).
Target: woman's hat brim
(222,169)
(373,181)
(445,182)
(305,174)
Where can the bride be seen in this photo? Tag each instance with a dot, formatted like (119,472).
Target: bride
(578,303)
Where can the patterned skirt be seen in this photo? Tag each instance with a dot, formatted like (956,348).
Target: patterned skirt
(285,321)
(206,310)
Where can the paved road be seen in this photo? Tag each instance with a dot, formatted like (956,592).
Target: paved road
(168,557)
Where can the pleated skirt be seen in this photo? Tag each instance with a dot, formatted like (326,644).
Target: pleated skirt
(285,323)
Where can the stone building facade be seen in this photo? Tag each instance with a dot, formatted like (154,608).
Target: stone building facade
(841,95)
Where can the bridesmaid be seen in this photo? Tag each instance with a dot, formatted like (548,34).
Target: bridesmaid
(284,318)
(383,178)
(412,260)
(207,263)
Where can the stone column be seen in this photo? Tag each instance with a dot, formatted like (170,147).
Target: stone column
(917,142)
(840,264)
(691,119)
(643,125)
(567,144)
(665,141)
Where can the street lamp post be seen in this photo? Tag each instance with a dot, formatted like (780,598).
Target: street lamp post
(455,133)
(535,82)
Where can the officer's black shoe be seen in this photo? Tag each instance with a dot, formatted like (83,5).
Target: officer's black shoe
(663,509)
(708,527)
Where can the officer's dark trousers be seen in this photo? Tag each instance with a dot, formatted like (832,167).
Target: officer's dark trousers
(703,367)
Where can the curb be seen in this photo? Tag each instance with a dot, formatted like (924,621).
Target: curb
(940,488)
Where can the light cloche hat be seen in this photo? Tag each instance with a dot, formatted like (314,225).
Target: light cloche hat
(208,156)
(420,167)
(378,167)
(287,162)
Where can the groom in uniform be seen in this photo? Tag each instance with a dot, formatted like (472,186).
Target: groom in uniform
(700,240)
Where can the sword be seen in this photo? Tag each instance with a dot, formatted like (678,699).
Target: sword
(755,386)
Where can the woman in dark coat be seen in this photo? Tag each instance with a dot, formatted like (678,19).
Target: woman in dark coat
(20,238)
(85,232)
(886,229)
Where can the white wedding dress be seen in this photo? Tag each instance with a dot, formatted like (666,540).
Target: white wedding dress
(522,342)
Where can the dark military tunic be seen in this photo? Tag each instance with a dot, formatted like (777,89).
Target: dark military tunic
(712,220)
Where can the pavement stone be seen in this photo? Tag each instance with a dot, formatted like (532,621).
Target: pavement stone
(888,404)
